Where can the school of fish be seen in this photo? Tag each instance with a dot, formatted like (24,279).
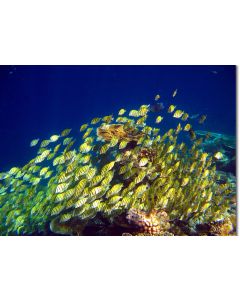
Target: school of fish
(73,179)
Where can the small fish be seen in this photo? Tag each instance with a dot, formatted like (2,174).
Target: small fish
(96,180)
(174,93)
(141,121)
(156,107)
(209,198)
(65,132)
(43,171)
(143,162)
(113,142)
(194,116)
(54,138)
(171,108)
(107,167)
(66,141)
(205,173)
(187,127)
(121,112)
(87,133)
(123,144)
(85,148)
(48,174)
(108,178)
(178,113)
(123,169)
(114,190)
(56,148)
(218,155)
(65,217)
(185,181)
(13,171)
(159,119)
(176,165)
(83,127)
(157,97)
(134,113)
(143,110)
(179,128)
(140,190)
(34,142)
(95,121)
(35,181)
(85,159)
(96,190)
(121,119)
(57,209)
(96,205)
(155,131)
(108,119)
(185,116)
(202,119)
(62,187)
(204,157)
(147,130)
(140,177)
(45,143)
(91,173)
(170,149)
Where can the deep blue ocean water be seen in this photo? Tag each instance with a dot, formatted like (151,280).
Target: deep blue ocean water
(38,101)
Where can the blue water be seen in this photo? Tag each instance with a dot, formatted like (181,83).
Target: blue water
(38,101)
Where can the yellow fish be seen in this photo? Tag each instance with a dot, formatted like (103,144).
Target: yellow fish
(83,127)
(134,113)
(159,119)
(170,149)
(95,121)
(171,108)
(185,181)
(85,148)
(143,110)
(121,112)
(218,155)
(178,113)
(185,116)
(104,149)
(187,127)
(143,162)
(65,132)
(54,138)
(45,143)
(34,142)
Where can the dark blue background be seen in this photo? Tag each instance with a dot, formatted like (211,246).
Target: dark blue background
(38,101)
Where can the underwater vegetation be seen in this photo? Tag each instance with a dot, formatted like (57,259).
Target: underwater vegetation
(121,176)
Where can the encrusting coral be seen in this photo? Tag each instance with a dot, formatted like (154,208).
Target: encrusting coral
(121,177)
